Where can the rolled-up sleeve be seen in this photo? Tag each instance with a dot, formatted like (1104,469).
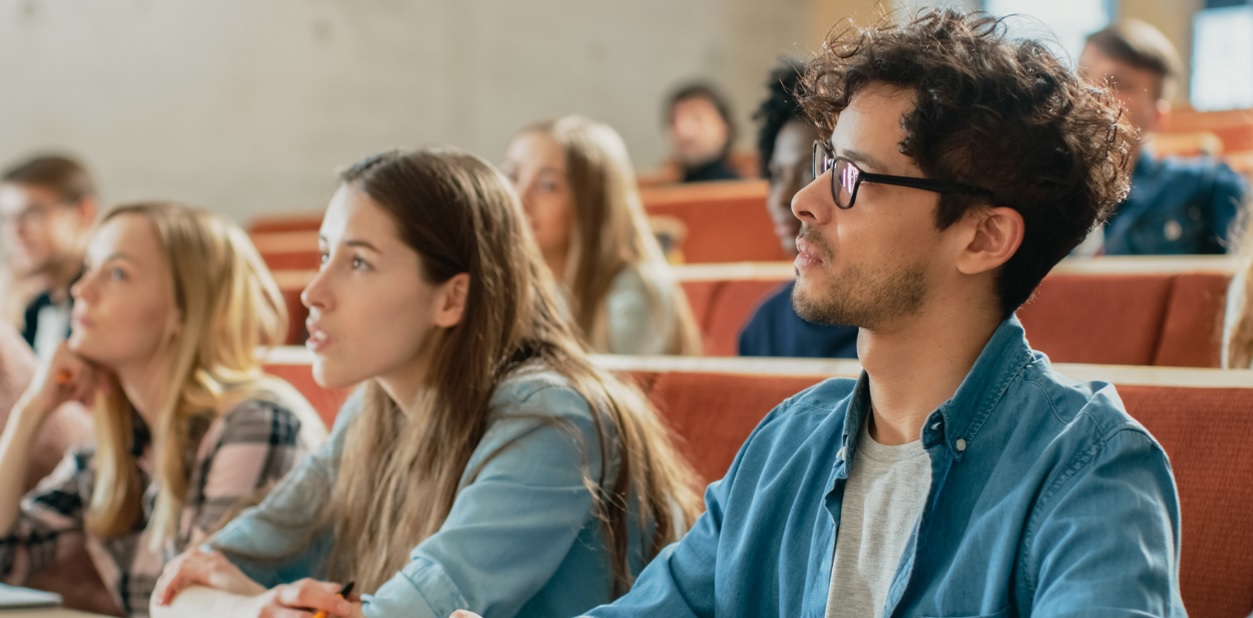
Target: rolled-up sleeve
(280,539)
(1105,538)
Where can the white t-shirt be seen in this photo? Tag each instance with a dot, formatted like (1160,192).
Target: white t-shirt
(886,490)
(54,321)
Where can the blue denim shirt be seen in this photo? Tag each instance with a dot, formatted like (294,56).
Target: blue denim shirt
(1046,499)
(1176,206)
(521,539)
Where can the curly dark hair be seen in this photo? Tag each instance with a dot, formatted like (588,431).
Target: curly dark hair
(780,107)
(1002,115)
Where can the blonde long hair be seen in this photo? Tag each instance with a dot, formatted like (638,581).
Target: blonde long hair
(229,306)
(400,473)
(611,233)
(1238,336)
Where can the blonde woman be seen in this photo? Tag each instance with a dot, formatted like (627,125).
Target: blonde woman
(486,465)
(167,320)
(581,199)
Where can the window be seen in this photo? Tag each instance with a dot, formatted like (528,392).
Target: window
(1222,58)
(1061,24)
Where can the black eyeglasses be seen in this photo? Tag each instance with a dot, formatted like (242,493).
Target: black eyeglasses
(846,177)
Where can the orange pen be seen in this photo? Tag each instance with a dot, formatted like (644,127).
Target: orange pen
(63,377)
(343,592)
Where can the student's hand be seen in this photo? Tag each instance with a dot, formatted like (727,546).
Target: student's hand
(461,613)
(304,599)
(205,568)
(65,377)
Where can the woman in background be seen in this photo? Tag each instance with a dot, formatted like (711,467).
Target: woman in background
(579,192)
(167,321)
(486,463)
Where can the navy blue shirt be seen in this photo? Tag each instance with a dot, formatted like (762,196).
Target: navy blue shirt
(718,169)
(776,330)
(1176,206)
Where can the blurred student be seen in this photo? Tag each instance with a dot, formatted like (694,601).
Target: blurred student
(47,206)
(1176,205)
(168,316)
(486,463)
(702,133)
(785,143)
(580,197)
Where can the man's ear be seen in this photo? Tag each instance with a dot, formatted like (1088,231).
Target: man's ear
(993,236)
(452,300)
(1161,114)
(87,212)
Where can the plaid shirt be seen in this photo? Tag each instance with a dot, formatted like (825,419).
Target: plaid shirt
(240,452)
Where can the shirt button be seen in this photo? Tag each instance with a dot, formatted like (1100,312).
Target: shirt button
(1173,230)
(961,445)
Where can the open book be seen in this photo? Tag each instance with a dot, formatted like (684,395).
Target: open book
(17,598)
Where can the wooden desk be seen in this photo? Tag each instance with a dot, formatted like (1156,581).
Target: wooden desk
(50,612)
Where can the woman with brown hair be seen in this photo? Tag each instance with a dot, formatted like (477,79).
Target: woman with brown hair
(168,316)
(485,463)
(580,196)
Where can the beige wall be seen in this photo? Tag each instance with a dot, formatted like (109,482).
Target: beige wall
(248,107)
(1174,19)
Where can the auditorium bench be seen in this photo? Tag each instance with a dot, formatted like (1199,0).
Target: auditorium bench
(1112,310)
(1202,417)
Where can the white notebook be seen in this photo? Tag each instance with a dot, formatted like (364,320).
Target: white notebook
(19,598)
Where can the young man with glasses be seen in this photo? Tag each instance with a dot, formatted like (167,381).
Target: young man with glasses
(47,206)
(960,475)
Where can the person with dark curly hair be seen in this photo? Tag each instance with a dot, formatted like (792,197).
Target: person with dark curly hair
(960,475)
(785,147)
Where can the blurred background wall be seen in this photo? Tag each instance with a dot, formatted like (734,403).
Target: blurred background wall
(249,107)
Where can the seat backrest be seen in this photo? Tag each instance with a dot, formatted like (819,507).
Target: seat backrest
(724,221)
(711,414)
(1206,433)
(1112,319)
(1192,327)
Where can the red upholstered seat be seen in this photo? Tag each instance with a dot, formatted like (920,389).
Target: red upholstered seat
(725,221)
(1207,433)
(1101,319)
(1192,329)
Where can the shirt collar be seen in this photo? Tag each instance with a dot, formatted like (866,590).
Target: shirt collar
(957,421)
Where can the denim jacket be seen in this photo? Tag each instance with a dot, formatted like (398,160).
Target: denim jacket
(1176,206)
(1046,499)
(521,539)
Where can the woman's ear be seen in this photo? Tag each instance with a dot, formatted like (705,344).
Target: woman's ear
(451,304)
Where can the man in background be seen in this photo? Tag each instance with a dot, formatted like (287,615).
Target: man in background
(47,206)
(1176,205)
(698,121)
